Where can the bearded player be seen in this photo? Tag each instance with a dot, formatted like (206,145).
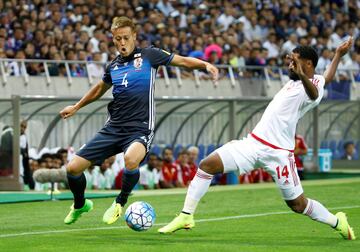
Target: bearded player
(271,145)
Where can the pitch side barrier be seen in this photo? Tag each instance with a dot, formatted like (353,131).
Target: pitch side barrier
(66,78)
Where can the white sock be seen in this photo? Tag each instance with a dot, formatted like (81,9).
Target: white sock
(316,211)
(197,189)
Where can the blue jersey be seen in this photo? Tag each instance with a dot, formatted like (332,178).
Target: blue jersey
(133,81)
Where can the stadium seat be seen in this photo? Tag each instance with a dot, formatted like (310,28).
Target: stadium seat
(339,90)
(357,148)
(156,149)
(324,144)
(210,148)
(339,149)
(201,152)
(332,147)
(177,150)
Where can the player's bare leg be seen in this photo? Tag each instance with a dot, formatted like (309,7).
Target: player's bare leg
(197,189)
(133,156)
(316,211)
(77,184)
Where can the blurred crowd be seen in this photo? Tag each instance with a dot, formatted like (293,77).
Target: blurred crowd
(239,33)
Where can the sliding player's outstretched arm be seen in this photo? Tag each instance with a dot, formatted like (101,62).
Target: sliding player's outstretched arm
(341,50)
(92,95)
(194,63)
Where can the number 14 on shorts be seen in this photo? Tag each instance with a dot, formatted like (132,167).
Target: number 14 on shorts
(283,173)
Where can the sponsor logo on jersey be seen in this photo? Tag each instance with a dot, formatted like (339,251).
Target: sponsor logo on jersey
(138,63)
(137,55)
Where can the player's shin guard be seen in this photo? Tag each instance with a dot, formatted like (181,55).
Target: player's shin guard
(77,186)
(197,189)
(316,211)
(129,180)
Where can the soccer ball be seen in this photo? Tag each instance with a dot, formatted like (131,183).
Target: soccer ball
(140,216)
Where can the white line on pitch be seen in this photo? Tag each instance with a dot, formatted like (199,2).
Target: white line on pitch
(161,224)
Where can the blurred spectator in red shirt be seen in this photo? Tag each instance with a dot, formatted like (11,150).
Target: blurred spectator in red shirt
(299,152)
(193,157)
(169,170)
(183,167)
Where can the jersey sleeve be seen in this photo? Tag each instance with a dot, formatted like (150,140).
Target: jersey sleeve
(107,77)
(319,82)
(158,57)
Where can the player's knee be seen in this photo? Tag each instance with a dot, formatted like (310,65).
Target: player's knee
(207,167)
(298,206)
(73,169)
(130,162)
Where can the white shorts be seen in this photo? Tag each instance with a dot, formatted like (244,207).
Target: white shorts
(248,154)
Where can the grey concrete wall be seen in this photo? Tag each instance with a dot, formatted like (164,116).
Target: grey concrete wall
(60,86)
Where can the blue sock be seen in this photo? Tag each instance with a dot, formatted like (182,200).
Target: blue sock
(129,180)
(77,186)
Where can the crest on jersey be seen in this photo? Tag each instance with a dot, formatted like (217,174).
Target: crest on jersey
(138,63)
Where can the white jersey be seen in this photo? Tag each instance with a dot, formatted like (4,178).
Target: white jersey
(278,124)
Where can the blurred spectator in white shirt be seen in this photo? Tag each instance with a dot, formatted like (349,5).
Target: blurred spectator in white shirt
(272,46)
(105,178)
(324,60)
(96,68)
(150,173)
(226,19)
(165,7)
(290,44)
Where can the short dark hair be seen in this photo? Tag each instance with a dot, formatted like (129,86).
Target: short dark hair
(346,144)
(307,52)
(166,148)
(153,154)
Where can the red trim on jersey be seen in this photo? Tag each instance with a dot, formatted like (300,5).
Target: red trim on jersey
(267,143)
(293,172)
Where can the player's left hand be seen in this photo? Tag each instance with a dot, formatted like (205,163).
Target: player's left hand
(295,64)
(214,71)
(342,49)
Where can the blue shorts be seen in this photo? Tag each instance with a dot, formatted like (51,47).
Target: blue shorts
(110,141)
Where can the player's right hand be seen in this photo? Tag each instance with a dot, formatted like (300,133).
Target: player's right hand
(68,111)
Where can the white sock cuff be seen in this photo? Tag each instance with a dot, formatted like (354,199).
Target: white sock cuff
(203,175)
(309,207)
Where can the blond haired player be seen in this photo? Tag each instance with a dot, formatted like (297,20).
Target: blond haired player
(271,145)
(131,121)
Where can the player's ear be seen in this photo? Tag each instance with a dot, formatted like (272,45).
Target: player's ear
(309,64)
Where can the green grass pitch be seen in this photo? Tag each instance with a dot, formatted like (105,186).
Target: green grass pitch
(229,218)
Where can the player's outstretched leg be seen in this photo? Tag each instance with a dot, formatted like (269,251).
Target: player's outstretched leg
(316,211)
(77,184)
(197,189)
(133,156)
